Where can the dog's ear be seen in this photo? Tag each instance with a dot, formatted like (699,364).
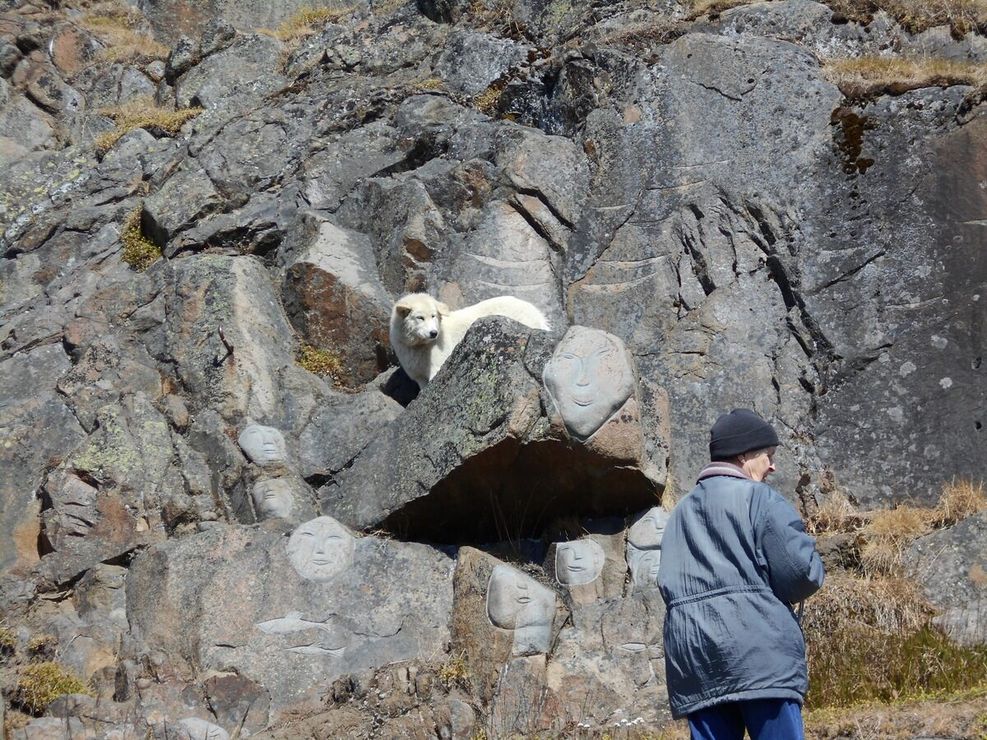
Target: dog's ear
(402,310)
(442,308)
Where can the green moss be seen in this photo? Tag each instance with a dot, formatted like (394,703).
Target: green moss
(138,251)
(41,683)
(320,362)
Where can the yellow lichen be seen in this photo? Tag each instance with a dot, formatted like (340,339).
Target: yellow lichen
(138,251)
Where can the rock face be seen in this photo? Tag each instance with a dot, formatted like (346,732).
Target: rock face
(223,536)
(951,565)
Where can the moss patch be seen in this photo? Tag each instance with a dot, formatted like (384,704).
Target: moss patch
(138,251)
(320,362)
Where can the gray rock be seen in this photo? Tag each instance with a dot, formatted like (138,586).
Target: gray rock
(289,634)
(31,127)
(483,411)
(336,302)
(38,431)
(471,61)
(234,78)
(184,198)
(951,566)
(208,293)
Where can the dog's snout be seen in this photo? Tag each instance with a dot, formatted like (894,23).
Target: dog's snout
(433,333)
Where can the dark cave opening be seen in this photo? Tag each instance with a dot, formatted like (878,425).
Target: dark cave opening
(514,491)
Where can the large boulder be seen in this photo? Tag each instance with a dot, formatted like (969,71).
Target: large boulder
(487,452)
(291,613)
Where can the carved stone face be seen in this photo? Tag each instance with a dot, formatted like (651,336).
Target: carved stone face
(515,600)
(263,445)
(194,728)
(272,498)
(646,532)
(644,567)
(578,562)
(320,548)
(588,377)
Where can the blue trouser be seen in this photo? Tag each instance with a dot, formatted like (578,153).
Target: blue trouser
(764,719)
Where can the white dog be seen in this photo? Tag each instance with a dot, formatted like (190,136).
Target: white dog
(424,331)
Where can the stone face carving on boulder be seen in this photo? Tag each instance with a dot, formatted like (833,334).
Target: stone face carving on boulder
(320,548)
(265,446)
(474,456)
(273,498)
(578,562)
(518,602)
(644,548)
(588,378)
(230,599)
(193,728)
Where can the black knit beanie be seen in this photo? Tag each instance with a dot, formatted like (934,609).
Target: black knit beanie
(738,432)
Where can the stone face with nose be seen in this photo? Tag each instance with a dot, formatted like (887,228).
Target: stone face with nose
(589,377)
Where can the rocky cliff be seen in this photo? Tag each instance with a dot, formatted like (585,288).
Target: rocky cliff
(224,508)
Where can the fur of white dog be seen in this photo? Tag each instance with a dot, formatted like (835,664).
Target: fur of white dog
(425,331)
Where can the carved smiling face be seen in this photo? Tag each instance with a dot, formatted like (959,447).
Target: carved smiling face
(588,378)
(578,562)
(320,548)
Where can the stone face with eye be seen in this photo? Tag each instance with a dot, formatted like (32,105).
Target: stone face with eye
(516,600)
(588,378)
(644,567)
(578,562)
(263,445)
(273,498)
(647,531)
(193,728)
(320,548)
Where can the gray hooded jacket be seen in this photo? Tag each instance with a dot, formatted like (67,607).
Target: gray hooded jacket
(735,555)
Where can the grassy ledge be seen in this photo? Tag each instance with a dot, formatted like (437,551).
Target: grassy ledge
(142,113)
(871,75)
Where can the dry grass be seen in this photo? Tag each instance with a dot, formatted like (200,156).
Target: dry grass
(308,21)
(888,535)
(872,639)
(41,683)
(963,715)
(120,29)
(959,500)
(142,113)
(872,75)
(837,514)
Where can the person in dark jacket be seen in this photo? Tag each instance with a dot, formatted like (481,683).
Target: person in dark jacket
(735,558)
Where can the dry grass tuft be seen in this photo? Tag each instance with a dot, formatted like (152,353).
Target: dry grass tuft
(888,535)
(837,514)
(41,683)
(120,28)
(872,639)
(959,500)
(871,75)
(308,21)
(713,7)
(138,251)
(962,16)
(455,672)
(142,113)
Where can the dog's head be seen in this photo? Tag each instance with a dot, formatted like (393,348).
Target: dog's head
(420,318)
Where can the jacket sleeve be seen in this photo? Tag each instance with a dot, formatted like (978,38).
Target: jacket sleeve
(795,570)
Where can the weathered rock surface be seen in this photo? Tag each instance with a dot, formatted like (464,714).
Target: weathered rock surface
(295,624)
(951,565)
(706,219)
